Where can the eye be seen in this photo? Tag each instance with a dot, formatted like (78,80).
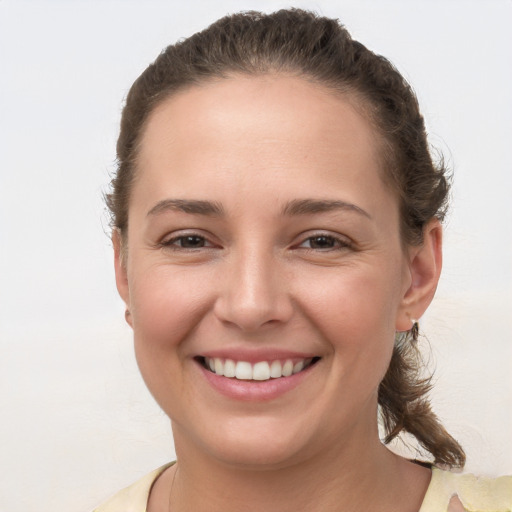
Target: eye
(187,241)
(324,242)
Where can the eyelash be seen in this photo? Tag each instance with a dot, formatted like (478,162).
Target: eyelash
(338,243)
(171,243)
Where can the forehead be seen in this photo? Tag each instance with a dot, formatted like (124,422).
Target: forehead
(243,129)
(279,101)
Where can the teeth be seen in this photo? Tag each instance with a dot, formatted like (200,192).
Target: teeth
(261,371)
(276,369)
(219,367)
(243,370)
(229,368)
(298,367)
(287,368)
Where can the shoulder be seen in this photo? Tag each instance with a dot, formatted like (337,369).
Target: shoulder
(135,497)
(473,493)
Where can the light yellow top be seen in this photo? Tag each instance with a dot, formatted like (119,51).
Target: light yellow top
(135,497)
(475,494)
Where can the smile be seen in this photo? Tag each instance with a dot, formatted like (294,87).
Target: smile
(260,371)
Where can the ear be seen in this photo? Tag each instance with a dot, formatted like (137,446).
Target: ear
(425,263)
(120,270)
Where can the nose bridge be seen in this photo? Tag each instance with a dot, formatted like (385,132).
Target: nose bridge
(254,293)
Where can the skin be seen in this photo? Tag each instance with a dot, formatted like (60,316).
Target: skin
(261,278)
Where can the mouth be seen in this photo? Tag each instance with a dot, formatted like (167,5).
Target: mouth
(260,371)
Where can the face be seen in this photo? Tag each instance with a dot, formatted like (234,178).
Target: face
(264,245)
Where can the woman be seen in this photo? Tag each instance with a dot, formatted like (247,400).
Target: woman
(276,226)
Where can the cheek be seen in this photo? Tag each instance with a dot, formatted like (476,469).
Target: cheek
(167,306)
(167,303)
(355,312)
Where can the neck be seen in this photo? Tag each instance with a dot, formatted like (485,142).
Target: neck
(353,476)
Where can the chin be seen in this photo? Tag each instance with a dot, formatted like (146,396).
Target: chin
(252,444)
(262,455)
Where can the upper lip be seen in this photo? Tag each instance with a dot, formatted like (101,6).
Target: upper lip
(256,355)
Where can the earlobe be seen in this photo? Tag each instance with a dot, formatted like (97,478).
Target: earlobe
(120,267)
(425,263)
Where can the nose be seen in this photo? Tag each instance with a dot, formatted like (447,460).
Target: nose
(254,291)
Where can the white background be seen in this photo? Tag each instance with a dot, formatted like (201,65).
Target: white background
(76,422)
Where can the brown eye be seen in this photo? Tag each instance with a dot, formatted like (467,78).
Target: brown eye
(187,242)
(322,242)
(191,241)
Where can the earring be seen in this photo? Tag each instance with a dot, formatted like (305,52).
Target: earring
(127,315)
(415,329)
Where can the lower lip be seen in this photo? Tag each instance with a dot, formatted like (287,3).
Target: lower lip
(254,391)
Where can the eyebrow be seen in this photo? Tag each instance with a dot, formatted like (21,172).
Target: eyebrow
(294,207)
(192,206)
(305,206)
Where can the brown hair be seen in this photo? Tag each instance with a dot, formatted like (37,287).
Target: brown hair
(319,49)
